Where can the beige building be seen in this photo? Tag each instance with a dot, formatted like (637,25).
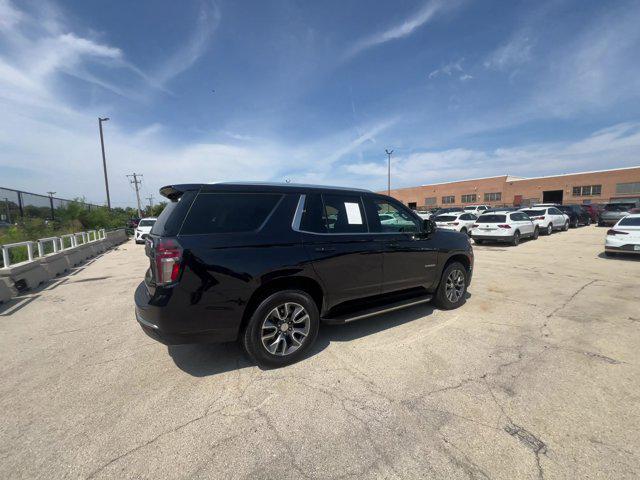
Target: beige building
(586,187)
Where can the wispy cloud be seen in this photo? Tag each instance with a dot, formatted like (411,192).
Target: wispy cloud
(428,11)
(515,52)
(451,69)
(596,151)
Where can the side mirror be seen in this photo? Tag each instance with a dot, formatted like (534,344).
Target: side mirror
(428,227)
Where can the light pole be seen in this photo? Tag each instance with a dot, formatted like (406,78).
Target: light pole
(389,152)
(104,160)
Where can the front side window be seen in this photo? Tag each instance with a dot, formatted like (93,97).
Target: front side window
(392,218)
(229,212)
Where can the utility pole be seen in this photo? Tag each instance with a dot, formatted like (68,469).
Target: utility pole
(136,183)
(150,198)
(389,152)
(51,194)
(6,203)
(104,162)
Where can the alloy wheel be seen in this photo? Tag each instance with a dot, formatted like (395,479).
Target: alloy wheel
(454,285)
(549,229)
(285,329)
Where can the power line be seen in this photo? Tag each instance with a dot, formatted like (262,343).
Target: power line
(136,183)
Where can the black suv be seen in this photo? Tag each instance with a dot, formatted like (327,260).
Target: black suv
(577,215)
(267,263)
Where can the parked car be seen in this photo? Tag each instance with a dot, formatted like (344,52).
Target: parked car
(503,227)
(502,209)
(423,215)
(577,215)
(440,211)
(476,209)
(133,222)
(458,221)
(144,228)
(624,237)
(613,212)
(262,263)
(594,210)
(547,219)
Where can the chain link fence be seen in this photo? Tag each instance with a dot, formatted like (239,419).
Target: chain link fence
(16,204)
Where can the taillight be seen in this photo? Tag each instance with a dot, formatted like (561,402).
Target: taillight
(504,225)
(167,256)
(538,218)
(453,223)
(616,232)
(475,225)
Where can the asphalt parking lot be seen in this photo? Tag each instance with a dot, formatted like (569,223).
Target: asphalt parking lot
(537,376)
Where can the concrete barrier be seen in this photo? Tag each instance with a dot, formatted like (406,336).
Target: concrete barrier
(29,274)
(116,237)
(55,264)
(73,257)
(7,291)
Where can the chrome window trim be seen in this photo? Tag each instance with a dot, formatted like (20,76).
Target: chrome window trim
(297,216)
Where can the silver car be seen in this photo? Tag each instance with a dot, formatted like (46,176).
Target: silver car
(613,212)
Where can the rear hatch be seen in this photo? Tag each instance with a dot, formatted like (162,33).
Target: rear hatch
(489,222)
(162,244)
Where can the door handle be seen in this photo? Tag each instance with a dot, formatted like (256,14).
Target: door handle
(325,249)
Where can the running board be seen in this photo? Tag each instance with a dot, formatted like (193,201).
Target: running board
(372,312)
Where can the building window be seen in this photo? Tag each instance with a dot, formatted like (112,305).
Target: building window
(493,197)
(469,198)
(628,188)
(449,199)
(587,190)
(430,200)
(412,205)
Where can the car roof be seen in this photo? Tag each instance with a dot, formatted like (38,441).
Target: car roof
(175,191)
(631,215)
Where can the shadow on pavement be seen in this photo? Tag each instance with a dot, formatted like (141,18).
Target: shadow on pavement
(634,257)
(207,360)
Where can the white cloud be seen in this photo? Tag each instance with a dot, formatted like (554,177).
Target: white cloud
(516,52)
(616,146)
(428,11)
(448,69)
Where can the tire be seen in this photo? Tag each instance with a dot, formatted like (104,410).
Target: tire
(277,311)
(565,227)
(464,230)
(452,291)
(536,233)
(479,242)
(575,224)
(516,239)
(549,229)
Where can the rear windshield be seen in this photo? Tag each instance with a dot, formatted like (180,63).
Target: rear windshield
(469,208)
(618,207)
(630,222)
(229,212)
(445,218)
(146,223)
(534,213)
(491,219)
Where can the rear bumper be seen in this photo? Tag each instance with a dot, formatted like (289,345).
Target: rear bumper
(169,325)
(624,249)
(493,238)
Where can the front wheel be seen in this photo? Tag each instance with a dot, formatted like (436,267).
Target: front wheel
(281,329)
(452,290)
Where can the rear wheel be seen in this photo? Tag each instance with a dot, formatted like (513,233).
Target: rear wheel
(452,290)
(281,329)
(516,239)
(575,223)
(536,233)
(549,229)
(565,227)
(463,230)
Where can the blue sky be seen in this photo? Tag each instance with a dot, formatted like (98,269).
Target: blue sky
(313,91)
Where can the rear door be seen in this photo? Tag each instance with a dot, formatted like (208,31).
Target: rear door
(409,260)
(345,255)
(557,216)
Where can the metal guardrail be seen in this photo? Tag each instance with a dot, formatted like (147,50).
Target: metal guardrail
(58,243)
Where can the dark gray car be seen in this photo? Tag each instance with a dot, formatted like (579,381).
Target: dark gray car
(613,212)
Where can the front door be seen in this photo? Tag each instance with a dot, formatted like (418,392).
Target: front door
(409,260)
(345,255)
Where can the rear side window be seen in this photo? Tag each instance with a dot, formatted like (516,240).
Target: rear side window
(313,217)
(229,212)
(169,221)
(492,218)
(535,213)
(630,222)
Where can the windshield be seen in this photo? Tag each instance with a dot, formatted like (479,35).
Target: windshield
(630,222)
(146,223)
(534,213)
(491,219)
(618,207)
(445,218)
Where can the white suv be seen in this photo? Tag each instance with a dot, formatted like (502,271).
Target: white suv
(476,209)
(547,219)
(503,227)
(144,228)
(458,221)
